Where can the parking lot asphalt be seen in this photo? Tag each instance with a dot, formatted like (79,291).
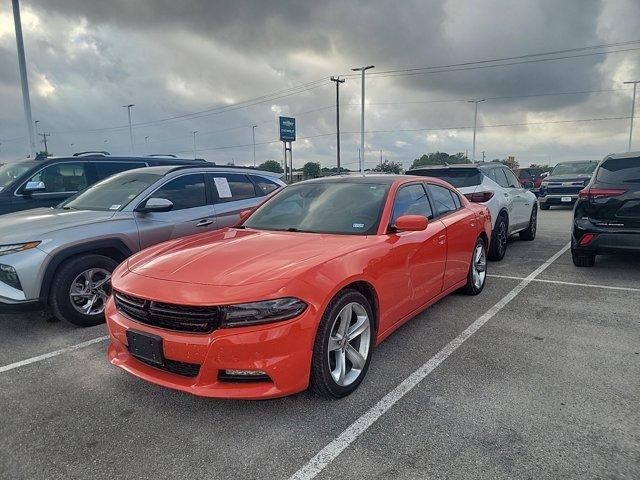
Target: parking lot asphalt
(548,387)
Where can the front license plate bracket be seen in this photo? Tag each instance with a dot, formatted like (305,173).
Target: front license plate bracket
(146,346)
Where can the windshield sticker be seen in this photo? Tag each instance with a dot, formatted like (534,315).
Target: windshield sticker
(358,225)
(114,207)
(222,186)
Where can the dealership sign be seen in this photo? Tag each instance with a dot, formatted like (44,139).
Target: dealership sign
(287,129)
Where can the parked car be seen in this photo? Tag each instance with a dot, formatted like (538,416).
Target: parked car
(44,183)
(530,178)
(300,292)
(562,185)
(513,208)
(64,256)
(606,218)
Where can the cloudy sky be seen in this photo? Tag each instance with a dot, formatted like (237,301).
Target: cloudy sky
(220,66)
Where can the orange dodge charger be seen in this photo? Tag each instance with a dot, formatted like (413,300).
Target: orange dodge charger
(300,291)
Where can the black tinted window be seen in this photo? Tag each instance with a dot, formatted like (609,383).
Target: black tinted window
(106,169)
(187,191)
(62,177)
(230,187)
(443,197)
(458,177)
(265,187)
(620,170)
(411,200)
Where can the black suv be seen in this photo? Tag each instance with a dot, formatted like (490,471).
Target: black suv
(45,183)
(606,218)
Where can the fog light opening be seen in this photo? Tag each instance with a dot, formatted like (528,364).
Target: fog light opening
(232,375)
(9,276)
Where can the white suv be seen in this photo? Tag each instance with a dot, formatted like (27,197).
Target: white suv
(513,209)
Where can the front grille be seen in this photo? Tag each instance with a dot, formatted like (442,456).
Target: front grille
(182,318)
(564,190)
(173,366)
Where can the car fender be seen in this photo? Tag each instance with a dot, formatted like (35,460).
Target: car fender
(115,245)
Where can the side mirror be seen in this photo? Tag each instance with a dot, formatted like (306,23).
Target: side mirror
(244,214)
(411,223)
(155,204)
(34,187)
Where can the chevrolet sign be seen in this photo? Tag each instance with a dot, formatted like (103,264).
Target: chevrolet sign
(287,129)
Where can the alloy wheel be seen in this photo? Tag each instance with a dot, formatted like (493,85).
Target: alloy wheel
(479,266)
(349,344)
(90,290)
(534,222)
(502,237)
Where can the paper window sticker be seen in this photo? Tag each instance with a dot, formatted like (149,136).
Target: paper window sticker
(222,186)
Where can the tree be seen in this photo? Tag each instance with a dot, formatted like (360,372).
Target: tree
(544,168)
(439,158)
(271,166)
(388,167)
(311,170)
(510,162)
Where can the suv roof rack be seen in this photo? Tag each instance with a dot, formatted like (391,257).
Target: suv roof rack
(92,153)
(224,167)
(162,155)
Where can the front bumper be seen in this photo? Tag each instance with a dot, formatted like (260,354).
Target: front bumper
(553,199)
(29,267)
(282,350)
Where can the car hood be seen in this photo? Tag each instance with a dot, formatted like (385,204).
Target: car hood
(241,257)
(570,177)
(33,225)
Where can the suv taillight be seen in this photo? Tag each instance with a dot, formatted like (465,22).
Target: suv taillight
(479,197)
(589,193)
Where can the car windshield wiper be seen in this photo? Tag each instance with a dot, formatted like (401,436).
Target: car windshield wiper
(292,229)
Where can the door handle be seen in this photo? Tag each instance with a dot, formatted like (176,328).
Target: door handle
(505,194)
(205,223)
(442,239)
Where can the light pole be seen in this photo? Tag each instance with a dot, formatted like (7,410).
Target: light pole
(253,134)
(338,81)
(475,125)
(36,124)
(194,144)
(22,64)
(128,107)
(146,143)
(362,69)
(633,109)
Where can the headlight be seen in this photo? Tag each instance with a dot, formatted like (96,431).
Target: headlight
(255,313)
(17,247)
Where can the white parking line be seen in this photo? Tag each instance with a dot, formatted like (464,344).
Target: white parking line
(573,284)
(39,358)
(325,456)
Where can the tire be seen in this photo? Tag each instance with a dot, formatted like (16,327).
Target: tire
(499,237)
(581,259)
(475,284)
(544,207)
(328,348)
(530,233)
(73,274)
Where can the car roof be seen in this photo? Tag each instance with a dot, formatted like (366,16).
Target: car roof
(623,155)
(459,166)
(108,158)
(384,179)
(166,169)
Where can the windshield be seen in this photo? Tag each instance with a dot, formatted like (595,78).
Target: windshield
(331,207)
(11,171)
(576,168)
(458,177)
(620,170)
(114,193)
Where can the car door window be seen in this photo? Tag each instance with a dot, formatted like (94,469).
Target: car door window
(62,178)
(187,191)
(456,200)
(239,187)
(501,177)
(443,198)
(265,187)
(106,169)
(511,178)
(411,200)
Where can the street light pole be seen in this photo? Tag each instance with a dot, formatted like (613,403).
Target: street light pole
(633,109)
(22,65)
(475,125)
(338,81)
(128,107)
(363,70)
(253,134)
(194,144)
(146,144)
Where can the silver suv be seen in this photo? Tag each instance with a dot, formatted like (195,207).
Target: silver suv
(63,256)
